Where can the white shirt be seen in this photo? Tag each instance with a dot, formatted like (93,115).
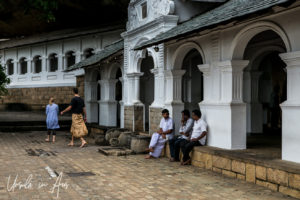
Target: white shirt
(200,126)
(167,124)
(186,128)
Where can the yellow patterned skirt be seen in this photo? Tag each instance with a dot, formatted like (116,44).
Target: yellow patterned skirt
(78,128)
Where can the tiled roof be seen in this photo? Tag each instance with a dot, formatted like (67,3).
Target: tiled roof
(227,11)
(98,57)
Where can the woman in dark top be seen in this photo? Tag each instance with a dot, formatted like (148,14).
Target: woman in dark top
(78,128)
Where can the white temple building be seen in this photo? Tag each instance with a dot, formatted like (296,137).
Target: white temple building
(237,61)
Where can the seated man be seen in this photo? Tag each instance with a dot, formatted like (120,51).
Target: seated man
(184,132)
(198,137)
(158,139)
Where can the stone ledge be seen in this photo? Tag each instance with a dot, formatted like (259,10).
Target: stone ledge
(276,175)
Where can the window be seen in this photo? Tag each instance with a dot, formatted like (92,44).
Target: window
(88,53)
(23,66)
(70,58)
(10,67)
(37,64)
(144,10)
(53,62)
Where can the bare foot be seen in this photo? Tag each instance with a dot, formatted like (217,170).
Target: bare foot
(47,140)
(83,144)
(150,150)
(53,141)
(188,162)
(148,157)
(71,144)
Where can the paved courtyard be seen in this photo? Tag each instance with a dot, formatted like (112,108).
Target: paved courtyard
(33,169)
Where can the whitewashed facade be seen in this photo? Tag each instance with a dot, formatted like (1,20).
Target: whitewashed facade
(39,61)
(229,71)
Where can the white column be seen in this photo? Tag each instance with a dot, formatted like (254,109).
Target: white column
(91,101)
(78,55)
(29,68)
(158,88)
(173,94)
(44,68)
(226,117)
(60,62)
(134,85)
(108,104)
(206,70)
(121,102)
(291,109)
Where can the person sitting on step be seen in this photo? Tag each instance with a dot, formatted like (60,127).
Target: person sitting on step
(184,134)
(159,138)
(198,137)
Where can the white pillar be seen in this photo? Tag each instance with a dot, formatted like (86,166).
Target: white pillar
(207,86)
(291,109)
(15,67)
(78,55)
(60,62)
(134,84)
(226,117)
(158,88)
(173,94)
(29,68)
(108,104)
(121,102)
(91,101)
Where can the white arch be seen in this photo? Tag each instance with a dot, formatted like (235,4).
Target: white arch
(112,70)
(181,52)
(259,54)
(138,56)
(92,74)
(242,39)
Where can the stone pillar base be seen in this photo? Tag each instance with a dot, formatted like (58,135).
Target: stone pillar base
(155,117)
(134,117)
(108,114)
(226,124)
(290,132)
(92,111)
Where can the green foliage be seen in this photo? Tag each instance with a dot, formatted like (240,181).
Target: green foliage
(4,80)
(46,7)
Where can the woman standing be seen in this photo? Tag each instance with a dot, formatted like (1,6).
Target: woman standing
(52,119)
(78,128)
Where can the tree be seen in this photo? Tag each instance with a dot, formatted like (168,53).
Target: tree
(4,80)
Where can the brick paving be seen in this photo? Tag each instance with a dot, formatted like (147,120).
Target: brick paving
(130,177)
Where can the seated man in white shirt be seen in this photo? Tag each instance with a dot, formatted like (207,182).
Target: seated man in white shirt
(165,133)
(198,137)
(184,133)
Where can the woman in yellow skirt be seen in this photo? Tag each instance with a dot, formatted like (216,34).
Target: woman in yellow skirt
(78,128)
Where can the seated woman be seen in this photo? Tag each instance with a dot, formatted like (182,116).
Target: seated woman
(158,139)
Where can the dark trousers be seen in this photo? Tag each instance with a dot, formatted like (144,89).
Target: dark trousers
(174,145)
(187,147)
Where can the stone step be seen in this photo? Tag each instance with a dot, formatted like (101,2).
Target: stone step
(30,128)
(32,123)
